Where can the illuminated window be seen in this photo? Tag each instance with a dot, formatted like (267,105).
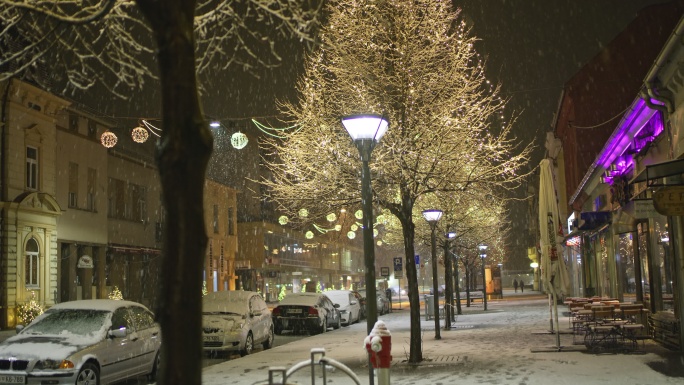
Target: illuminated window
(31,267)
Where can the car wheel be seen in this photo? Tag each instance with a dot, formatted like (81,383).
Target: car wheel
(89,375)
(337,324)
(269,339)
(249,345)
(324,326)
(155,368)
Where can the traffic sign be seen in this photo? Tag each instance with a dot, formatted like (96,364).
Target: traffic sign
(398,266)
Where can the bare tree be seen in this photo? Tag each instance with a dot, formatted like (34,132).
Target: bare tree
(414,63)
(116,43)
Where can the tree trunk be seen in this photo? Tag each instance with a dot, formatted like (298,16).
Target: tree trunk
(448,289)
(415,341)
(182,157)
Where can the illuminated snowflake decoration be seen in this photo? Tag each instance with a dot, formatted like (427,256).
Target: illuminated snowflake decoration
(354,227)
(338,227)
(358,214)
(309,234)
(351,235)
(331,217)
(238,140)
(303,213)
(379,243)
(140,135)
(108,139)
(283,220)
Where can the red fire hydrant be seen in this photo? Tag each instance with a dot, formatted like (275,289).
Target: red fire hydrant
(379,346)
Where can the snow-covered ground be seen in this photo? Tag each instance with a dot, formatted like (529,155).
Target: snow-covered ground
(492,347)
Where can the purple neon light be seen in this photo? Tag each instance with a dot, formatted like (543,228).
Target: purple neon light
(620,141)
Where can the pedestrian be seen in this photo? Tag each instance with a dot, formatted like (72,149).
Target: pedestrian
(388,294)
(515,285)
(522,286)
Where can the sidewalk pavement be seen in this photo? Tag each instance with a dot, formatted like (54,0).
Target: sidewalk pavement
(494,346)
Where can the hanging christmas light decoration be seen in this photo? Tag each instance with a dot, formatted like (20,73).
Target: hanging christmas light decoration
(238,140)
(379,243)
(331,217)
(358,214)
(338,227)
(283,220)
(140,134)
(156,131)
(354,227)
(309,234)
(375,233)
(303,213)
(108,139)
(351,235)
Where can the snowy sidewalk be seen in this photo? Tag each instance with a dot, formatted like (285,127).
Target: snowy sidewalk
(483,347)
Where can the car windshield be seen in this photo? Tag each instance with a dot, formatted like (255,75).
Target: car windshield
(341,298)
(70,321)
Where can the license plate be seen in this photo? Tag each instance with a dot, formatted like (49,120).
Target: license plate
(211,338)
(295,311)
(8,379)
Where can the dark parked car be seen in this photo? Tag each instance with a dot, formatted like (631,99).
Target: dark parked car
(94,342)
(312,312)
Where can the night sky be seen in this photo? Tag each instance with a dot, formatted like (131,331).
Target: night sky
(532,48)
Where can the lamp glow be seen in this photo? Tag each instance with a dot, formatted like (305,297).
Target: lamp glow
(361,127)
(432,215)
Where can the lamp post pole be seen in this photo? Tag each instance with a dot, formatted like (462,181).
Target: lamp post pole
(449,292)
(366,131)
(483,255)
(432,217)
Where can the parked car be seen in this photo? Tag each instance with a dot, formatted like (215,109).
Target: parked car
(383,303)
(236,321)
(346,303)
(96,341)
(362,302)
(380,303)
(312,312)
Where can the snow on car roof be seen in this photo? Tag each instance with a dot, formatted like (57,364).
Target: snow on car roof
(300,299)
(338,296)
(227,302)
(96,304)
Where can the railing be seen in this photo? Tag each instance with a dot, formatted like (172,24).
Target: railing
(279,375)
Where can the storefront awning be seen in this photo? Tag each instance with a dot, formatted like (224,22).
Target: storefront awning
(657,171)
(592,220)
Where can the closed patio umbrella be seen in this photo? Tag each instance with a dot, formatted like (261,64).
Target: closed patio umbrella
(554,272)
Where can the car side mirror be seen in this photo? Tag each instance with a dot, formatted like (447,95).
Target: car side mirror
(353,302)
(337,306)
(19,328)
(255,313)
(117,333)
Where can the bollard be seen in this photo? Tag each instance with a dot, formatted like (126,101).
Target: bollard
(379,346)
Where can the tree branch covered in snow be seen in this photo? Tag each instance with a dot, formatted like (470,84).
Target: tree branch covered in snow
(86,42)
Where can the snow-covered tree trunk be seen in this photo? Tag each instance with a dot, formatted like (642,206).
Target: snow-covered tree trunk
(183,156)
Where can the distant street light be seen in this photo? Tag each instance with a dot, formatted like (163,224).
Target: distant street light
(366,131)
(483,255)
(432,217)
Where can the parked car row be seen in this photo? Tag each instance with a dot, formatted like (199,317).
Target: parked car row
(104,340)
(382,302)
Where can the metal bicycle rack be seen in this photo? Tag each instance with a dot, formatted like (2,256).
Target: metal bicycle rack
(278,375)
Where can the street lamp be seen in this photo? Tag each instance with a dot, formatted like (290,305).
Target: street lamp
(366,131)
(448,271)
(483,255)
(432,217)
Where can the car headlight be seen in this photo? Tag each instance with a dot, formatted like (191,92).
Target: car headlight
(54,364)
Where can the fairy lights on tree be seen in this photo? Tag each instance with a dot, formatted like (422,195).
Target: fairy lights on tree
(115,294)
(446,136)
(27,312)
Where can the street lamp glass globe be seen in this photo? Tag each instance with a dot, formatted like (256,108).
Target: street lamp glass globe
(362,127)
(432,216)
(451,235)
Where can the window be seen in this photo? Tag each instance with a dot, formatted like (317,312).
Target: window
(231,219)
(216,224)
(73,185)
(116,198)
(32,267)
(31,168)
(138,203)
(92,129)
(92,183)
(73,122)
